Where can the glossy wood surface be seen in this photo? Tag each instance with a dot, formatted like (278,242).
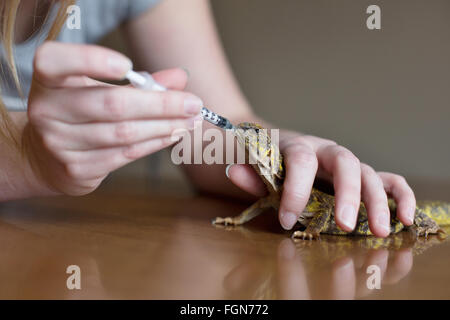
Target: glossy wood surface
(161,245)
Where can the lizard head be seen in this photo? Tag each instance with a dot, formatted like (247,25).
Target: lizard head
(264,155)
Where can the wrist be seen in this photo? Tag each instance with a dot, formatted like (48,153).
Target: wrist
(18,180)
(31,168)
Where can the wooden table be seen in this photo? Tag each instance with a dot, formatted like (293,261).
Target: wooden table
(161,245)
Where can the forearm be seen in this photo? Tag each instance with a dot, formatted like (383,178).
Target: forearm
(183,34)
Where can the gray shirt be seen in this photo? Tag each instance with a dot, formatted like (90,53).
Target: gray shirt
(98,17)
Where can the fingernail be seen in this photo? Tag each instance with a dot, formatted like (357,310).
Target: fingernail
(384,223)
(409,221)
(119,64)
(286,250)
(348,216)
(410,215)
(188,74)
(194,122)
(227,169)
(345,263)
(288,220)
(175,138)
(193,105)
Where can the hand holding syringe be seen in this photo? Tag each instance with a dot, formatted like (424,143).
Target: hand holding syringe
(144,80)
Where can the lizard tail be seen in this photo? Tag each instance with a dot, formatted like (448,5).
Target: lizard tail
(436,210)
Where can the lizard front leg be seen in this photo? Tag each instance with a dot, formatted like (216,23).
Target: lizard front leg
(317,224)
(424,225)
(248,214)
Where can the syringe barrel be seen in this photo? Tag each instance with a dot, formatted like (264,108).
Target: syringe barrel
(215,119)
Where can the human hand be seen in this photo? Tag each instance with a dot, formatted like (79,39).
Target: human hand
(346,277)
(307,157)
(81,129)
(292,277)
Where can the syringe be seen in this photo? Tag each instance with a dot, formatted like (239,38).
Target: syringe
(145,81)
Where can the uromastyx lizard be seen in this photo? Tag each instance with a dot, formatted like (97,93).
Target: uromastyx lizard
(318,216)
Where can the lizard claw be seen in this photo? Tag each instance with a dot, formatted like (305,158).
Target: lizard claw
(304,235)
(224,221)
(441,234)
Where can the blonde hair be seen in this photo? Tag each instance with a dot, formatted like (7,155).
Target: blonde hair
(8,14)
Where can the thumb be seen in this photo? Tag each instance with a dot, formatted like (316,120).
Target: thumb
(246,178)
(174,79)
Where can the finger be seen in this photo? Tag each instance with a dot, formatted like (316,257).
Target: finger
(375,200)
(79,105)
(359,257)
(301,167)
(55,61)
(399,267)
(403,195)
(106,135)
(345,169)
(174,79)
(246,277)
(246,178)
(83,81)
(343,281)
(96,164)
(378,258)
(291,275)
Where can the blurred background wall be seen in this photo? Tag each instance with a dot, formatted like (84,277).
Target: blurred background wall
(315,67)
